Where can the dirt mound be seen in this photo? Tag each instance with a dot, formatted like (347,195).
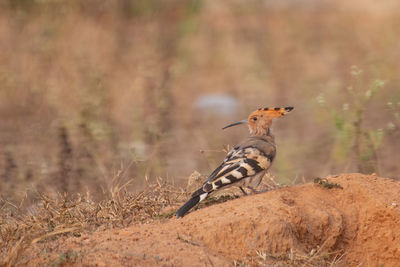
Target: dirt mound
(361,222)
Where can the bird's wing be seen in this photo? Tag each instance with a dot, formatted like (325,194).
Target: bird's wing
(238,164)
(246,160)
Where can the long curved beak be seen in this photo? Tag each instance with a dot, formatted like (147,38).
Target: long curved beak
(235,123)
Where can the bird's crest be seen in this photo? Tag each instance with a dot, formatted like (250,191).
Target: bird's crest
(271,112)
(260,120)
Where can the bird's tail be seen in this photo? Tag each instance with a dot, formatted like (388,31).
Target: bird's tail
(196,198)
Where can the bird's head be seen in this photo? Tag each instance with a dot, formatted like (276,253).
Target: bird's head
(260,120)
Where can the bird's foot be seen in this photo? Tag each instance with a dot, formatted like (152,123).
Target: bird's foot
(244,192)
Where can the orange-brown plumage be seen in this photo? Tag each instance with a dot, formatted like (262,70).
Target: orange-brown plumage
(260,120)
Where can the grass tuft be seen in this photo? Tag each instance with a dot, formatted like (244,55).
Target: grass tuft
(325,183)
(52,217)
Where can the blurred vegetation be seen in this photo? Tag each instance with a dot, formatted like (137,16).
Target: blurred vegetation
(354,141)
(90,88)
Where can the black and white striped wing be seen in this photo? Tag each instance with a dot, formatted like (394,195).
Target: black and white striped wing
(239,164)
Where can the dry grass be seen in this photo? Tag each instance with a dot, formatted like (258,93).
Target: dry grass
(72,215)
(316,257)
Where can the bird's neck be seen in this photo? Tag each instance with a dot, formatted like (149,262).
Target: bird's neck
(260,132)
(269,138)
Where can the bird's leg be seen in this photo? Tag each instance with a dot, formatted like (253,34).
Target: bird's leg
(256,191)
(244,192)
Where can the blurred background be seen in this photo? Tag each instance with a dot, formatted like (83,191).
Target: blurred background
(139,89)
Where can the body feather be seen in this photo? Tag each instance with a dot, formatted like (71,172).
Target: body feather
(249,160)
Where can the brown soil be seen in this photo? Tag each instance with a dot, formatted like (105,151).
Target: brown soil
(361,221)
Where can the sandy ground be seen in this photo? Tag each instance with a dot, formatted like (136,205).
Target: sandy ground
(362,221)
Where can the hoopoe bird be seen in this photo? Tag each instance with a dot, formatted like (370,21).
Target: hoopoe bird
(246,164)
